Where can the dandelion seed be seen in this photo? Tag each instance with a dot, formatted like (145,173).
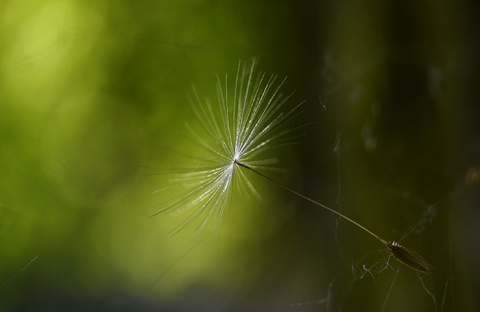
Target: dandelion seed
(247,121)
(236,133)
(407,257)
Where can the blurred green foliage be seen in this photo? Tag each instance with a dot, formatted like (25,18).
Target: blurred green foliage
(92,93)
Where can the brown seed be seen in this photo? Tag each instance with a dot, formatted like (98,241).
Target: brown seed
(407,257)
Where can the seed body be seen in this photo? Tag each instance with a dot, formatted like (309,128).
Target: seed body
(407,257)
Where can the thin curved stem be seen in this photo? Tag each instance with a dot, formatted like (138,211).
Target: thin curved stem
(313,202)
(402,254)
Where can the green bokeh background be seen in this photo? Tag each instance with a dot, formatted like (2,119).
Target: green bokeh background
(93,93)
